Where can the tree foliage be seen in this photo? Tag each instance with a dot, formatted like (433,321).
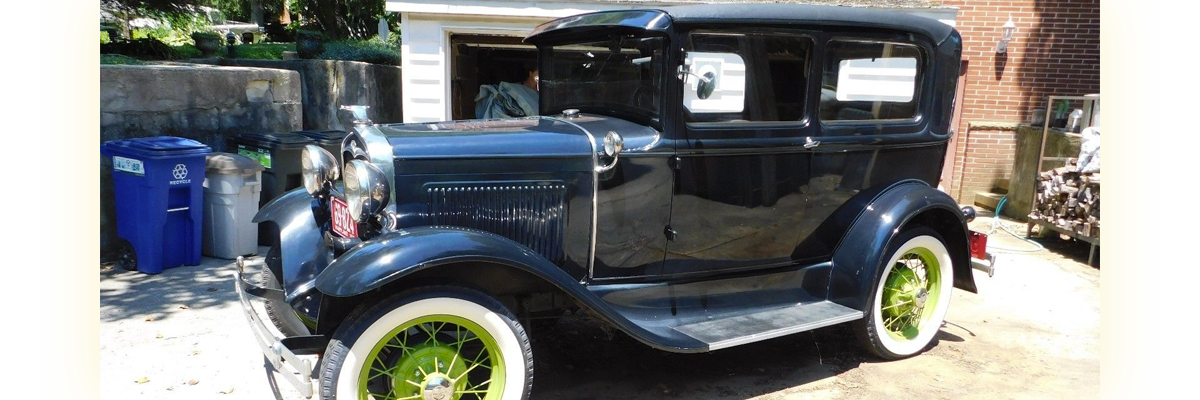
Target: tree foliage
(341,19)
(158,6)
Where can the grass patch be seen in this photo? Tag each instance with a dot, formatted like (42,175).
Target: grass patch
(117,59)
(374,51)
(255,51)
(264,51)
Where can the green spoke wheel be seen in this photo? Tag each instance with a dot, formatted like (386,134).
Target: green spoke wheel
(446,344)
(448,356)
(913,283)
(911,298)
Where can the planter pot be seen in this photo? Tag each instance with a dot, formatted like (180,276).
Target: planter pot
(309,46)
(208,46)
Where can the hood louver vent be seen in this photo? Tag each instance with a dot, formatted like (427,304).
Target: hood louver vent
(528,213)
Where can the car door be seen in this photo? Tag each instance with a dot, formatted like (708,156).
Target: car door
(739,199)
(873,119)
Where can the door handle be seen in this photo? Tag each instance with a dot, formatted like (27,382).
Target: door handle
(810,144)
(670,233)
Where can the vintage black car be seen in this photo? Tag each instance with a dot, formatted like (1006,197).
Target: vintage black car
(703,177)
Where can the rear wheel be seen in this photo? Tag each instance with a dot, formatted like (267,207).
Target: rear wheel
(911,298)
(437,343)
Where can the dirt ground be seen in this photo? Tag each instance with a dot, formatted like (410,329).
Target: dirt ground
(1032,332)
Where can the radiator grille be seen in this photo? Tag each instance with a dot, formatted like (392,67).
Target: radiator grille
(530,214)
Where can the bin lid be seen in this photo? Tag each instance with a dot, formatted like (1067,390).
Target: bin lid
(229,164)
(273,140)
(324,138)
(158,146)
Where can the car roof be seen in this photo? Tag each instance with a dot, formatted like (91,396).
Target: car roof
(732,13)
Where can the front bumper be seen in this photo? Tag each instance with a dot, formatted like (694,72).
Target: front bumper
(281,352)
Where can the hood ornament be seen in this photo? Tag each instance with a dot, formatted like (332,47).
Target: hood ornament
(359,112)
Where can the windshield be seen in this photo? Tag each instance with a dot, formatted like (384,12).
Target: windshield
(620,75)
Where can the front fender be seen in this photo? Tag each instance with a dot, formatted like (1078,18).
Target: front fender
(859,257)
(302,250)
(394,255)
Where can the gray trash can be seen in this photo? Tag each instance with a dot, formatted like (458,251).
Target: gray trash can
(232,186)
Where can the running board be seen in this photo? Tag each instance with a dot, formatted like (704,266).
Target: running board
(763,325)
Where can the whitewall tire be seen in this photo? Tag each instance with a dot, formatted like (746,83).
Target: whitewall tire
(910,298)
(438,342)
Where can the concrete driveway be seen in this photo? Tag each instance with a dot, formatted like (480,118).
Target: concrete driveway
(1032,332)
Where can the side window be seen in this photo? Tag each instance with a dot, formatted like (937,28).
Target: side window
(755,77)
(869,81)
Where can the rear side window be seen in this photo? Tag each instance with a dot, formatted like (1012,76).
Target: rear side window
(870,81)
(758,77)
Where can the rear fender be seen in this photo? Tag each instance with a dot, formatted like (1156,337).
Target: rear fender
(859,256)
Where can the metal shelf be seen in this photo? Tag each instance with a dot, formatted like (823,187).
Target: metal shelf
(1090,106)
(1093,241)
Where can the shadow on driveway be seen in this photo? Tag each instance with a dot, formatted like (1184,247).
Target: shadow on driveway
(134,295)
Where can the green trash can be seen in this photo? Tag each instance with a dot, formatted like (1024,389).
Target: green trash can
(279,154)
(331,141)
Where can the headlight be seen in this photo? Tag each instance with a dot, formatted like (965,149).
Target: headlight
(367,189)
(318,168)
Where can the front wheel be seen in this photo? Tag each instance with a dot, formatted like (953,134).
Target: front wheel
(279,312)
(911,297)
(436,343)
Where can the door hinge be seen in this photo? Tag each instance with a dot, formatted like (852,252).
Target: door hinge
(670,233)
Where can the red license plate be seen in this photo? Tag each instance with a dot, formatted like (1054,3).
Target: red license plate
(343,225)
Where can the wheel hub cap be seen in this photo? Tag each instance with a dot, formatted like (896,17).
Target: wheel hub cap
(921,297)
(438,387)
(427,371)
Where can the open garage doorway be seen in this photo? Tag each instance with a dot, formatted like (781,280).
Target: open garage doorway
(484,60)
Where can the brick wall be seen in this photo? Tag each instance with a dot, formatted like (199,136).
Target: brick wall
(1055,51)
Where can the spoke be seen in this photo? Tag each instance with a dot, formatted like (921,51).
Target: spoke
(472,391)
(418,385)
(452,360)
(382,372)
(403,349)
(896,305)
(480,384)
(427,332)
(423,373)
(382,396)
(888,323)
(469,369)
(409,397)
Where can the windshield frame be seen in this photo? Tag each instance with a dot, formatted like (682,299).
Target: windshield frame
(550,106)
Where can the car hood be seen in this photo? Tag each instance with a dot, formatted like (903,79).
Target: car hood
(502,138)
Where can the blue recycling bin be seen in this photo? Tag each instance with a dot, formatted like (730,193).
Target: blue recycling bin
(159,185)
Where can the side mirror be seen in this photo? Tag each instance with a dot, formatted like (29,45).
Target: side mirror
(708,83)
(713,82)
